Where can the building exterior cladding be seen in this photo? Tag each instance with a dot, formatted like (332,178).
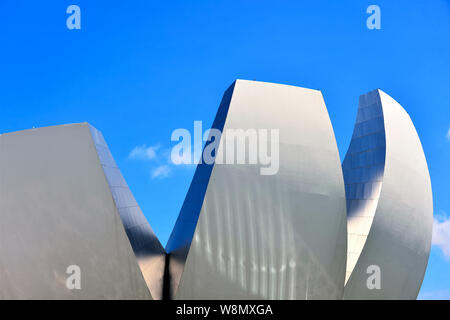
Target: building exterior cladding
(57,210)
(310,231)
(146,246)
(390,212)
(256,236)
(363,169)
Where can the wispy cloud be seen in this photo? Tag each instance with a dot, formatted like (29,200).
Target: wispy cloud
(160,158)
(441,234)
(161,172)
(143,152)
(448,134)
(154,154)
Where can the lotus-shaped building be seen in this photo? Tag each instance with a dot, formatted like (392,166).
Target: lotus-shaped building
(299,227)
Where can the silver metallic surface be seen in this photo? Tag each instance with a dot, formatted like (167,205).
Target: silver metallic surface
(389,202)
(240,234)
(146,246)
(363,169)
(57,210)
(243,235)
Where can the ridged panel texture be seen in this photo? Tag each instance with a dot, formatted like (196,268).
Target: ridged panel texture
(280,236)
(149,251)
(390,212)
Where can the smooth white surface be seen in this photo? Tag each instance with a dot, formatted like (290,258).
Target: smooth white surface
(399,239)
(273,237)
(56,210)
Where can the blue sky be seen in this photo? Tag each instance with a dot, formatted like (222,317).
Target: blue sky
(138,70)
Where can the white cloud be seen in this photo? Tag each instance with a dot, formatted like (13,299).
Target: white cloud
(441,235)
(143,152)
(448,134)
(161,172)
(159,157)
